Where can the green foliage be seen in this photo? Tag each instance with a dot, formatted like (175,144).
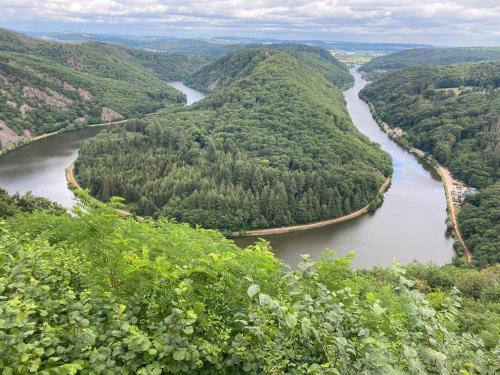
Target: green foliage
(427,56)
(96,293)
(275,147)
(66,83)
(15,204)
(453,114)
(480,225)
(241,63)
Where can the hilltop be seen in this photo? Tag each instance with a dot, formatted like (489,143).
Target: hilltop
(428,56)
(240,63)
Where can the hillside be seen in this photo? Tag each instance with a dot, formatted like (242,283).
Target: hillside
(453,113)
(428,56)
(239,64)
(48,86)
(274,146)
(101,294)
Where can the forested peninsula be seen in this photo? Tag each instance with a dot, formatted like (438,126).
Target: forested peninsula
(453,113)
(271,146)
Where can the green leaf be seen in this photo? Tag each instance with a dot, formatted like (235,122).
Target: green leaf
(291,320)
(180,354)
(264,299)
(253,290)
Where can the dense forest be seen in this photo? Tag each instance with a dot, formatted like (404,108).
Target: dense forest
(97,293)
(480,225)
(49,86)
(428,56)
(453,113)
(274,147)
(240,63)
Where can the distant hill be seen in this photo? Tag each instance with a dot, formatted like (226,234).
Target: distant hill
(219,46)
(239,63)
(329,45)
(427,56)
(47,86)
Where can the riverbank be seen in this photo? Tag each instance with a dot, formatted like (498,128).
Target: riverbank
(314,225)
(444,174)
(73,183)
(27,141)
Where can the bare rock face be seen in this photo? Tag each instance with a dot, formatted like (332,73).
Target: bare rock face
(53,98)
(109,115)
(84,94)
(8,136)
(11,104)
(69,87)
(213,85)
(24,109)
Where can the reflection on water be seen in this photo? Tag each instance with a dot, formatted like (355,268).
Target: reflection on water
(410,225)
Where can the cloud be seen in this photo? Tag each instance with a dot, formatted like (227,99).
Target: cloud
(431,21)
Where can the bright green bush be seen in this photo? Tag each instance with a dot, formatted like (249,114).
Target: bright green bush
(101,294)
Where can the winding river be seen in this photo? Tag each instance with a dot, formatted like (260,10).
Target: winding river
(409,225)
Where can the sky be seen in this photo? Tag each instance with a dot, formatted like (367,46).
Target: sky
(445,22)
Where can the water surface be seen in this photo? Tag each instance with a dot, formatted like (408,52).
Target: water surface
(410,225)
(40,166)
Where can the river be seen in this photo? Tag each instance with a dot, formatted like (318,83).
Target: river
(409,225)
(40,166)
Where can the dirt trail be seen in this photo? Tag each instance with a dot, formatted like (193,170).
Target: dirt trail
(70,177)
(448,181)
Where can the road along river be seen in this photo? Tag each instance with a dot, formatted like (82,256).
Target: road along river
(409,225)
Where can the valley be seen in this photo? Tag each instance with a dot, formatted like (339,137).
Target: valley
(230,205)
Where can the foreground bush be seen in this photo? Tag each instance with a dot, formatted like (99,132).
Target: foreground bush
(98,294)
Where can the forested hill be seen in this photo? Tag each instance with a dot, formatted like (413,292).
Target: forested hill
(453,113)
(48,86)
(274,147)
(428,56)
(239,64)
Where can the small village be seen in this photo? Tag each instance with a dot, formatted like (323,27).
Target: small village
(459,192)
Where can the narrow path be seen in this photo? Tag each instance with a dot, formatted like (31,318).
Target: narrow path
(70,177)
(448,182)
(317,224)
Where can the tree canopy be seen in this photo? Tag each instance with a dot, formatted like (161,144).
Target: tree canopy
(273,146)
(428,56)
(453,113)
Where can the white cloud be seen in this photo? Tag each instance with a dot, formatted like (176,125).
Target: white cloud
(431,21)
